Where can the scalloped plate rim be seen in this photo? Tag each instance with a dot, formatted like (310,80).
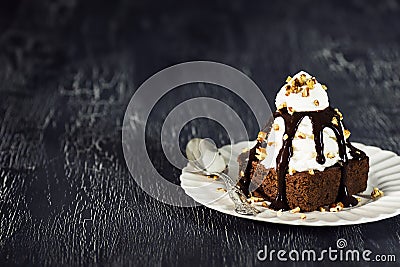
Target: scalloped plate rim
(291,220)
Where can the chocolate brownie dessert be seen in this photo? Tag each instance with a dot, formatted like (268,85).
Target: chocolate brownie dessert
(304,159)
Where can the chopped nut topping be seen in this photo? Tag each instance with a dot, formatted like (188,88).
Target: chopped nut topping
(376,193)
(314,154)
(285,136)
(296,83)
(241,173)
(261,150)
(316,102)
(311,172)
(301,135)
(322,209)
(330,155)
(271,143)
(312,136)
(220,189)
(303,78)
(292,171)
(310,83)
(303,216)
(339,113)
(287,93)
(288,79)
(275,126)
(358,199)
(295,210)
(324,87)
(265,205)
(281,106)
(346,134)
(261,136)
(335,121)
(305,92)
(261,153)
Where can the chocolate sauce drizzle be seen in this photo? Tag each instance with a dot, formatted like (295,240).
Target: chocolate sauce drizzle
(320,120)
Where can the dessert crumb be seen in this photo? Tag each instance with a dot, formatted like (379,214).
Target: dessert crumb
(253,199)
(376,193)
(295,210)
(336,207)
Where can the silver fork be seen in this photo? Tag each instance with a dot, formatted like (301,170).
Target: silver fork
(235,193)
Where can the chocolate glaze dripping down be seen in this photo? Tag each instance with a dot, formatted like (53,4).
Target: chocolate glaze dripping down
(245,181)
(320,120)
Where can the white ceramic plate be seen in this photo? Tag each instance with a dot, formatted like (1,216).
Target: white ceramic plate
(384,173)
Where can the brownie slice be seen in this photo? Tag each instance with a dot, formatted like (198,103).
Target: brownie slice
(309,191)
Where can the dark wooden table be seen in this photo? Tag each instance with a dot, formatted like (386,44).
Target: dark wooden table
(68,70)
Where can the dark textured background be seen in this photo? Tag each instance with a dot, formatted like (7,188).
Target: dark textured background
(68,69)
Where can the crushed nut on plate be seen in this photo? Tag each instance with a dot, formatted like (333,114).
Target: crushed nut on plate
(220,189)
(335,207)
(253,199)
(303,216)
(376,193)
(295,210)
